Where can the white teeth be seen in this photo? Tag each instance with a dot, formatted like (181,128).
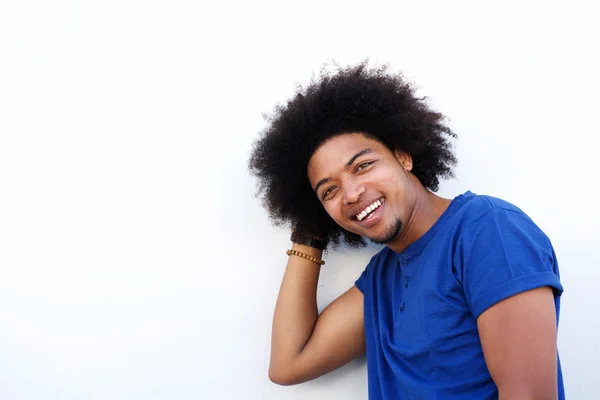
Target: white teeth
(367,210)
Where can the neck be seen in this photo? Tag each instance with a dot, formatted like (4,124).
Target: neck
(428,208)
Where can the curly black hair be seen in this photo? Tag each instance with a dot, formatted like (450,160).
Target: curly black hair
(370,100)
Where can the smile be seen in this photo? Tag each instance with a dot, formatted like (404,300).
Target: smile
(368,211)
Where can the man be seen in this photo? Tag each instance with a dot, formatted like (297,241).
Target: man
(463,301)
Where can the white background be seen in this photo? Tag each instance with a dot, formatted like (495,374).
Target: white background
(135,260)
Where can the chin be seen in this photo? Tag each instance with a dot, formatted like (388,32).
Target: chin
(391,233)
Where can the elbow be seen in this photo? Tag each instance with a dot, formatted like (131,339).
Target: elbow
(284,375)
(280,377)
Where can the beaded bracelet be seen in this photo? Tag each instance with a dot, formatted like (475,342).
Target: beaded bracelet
(306,256)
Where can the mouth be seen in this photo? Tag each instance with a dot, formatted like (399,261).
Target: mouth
(366,216)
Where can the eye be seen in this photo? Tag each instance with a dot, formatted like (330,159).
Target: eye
(327,192)
(363,165)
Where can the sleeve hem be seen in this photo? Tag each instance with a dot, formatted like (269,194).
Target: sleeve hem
(514,287)
(360,284)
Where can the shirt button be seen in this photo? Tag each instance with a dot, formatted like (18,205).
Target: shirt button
(402,307)
(406,282)
(404,263)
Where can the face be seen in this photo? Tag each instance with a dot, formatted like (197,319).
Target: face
(364,187)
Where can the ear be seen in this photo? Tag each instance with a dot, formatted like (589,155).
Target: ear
(404,159)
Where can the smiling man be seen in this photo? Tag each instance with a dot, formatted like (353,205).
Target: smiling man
(463,301)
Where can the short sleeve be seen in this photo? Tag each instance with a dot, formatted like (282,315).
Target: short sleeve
(502,254)
(361,281)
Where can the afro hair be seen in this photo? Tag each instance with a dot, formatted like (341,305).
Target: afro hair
(372,101)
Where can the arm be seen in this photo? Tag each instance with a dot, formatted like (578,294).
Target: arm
(305,345)
(510,278)
(518,336)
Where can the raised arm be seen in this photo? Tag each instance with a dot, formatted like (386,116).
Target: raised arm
(304,344)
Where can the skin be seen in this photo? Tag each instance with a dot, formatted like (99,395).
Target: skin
(345,190)
(348,173)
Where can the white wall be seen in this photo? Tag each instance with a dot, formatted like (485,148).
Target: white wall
(135,261)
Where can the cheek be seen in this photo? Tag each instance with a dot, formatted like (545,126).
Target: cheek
(395,182)
(333,208)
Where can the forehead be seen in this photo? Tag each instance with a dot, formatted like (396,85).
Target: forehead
(333,154)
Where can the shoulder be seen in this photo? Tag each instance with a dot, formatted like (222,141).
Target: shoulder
(478,208)
(501,252)
(490,221)
(491,225)
(384,257)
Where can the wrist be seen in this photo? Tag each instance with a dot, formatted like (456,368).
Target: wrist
(311,251)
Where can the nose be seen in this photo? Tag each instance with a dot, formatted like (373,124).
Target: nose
(352,192)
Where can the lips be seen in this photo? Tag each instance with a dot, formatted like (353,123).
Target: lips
(369,214)
(366,212)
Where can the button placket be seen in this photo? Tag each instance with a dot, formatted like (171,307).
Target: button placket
(404,264)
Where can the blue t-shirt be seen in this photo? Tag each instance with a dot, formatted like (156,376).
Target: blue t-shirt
(421,305)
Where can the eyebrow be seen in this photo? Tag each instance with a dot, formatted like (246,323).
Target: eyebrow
(348,164)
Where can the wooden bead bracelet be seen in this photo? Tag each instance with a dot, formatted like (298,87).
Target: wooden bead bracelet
(306,256)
